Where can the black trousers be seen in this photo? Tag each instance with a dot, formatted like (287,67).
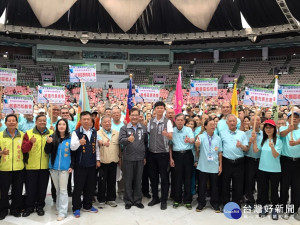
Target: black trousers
(213,178)
(232,172)
(263,187)
(251,175)
(15,180)
(36,188)
(145,180)
(107,182)
(132,174)
(290,178)
(84,183)
(183,176)
(158,166)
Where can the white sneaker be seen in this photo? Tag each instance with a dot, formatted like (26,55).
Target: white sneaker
(101,205)
(112,203)
(60,218)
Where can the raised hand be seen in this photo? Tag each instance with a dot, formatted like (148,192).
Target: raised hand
(271,144)
(252,138)
(5,151)
(187,139)
(49,140)
(197,143)
(165,133)
(238,144)
(106,144)
(131,138)
(82,141)
(32,139)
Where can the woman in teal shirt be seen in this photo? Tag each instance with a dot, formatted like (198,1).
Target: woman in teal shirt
(269,167)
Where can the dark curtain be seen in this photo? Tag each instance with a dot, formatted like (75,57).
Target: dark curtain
(3,4)
(20,13)
(294,7)
(226,17)
(83,16)
(262,13)
(160,16)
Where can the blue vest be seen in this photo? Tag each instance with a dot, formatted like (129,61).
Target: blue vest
(86,154)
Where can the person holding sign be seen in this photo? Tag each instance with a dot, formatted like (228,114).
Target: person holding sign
(252,160)
(36,163)
(182,159)
(235,143)
(209,164)
(11,167)
(290,162)
(269,167)
(84,142)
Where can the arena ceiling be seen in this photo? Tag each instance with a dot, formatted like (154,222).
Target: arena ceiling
(151,20)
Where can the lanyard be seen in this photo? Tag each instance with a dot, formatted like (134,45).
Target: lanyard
(209,141)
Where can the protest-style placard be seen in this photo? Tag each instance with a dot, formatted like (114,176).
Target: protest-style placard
(259,96)
(82,73)
(8,77)
(146,93)
(204,87)
(51,94)
(18,104)
(288,93)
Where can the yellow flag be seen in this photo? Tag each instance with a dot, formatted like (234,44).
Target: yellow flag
(234,101)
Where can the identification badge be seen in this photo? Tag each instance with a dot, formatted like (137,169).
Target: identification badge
(210,157)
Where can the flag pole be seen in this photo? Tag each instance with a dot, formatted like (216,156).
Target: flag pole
(1,93)
(292,119)
(83,96)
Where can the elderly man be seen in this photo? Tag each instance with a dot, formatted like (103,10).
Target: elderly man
(36,164)
(222,124)
(116,119)
(110,154)
(27,124)
(55,117)
(133,137)
(235,143)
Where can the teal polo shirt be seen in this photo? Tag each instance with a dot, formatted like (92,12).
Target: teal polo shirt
(26,125)
(3,127)
(179,136)
(229,140)
(116,127)
(223,125)
(287,150)
(267,161)
(251,153)
(209,145)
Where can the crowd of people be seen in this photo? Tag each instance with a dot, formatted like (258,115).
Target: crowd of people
(204,151)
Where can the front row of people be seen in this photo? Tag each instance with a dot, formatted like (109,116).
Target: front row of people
(219,159)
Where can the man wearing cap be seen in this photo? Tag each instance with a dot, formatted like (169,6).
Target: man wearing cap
(290,163)
(160,130)
(235,143)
